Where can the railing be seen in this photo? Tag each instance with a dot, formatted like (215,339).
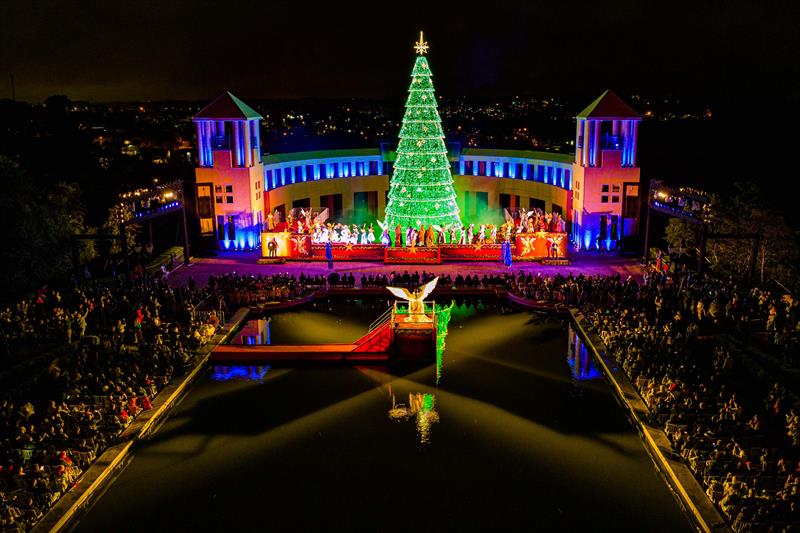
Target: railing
(611,142)
(220,143)
(380,320)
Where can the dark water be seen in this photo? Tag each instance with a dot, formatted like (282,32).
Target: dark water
(521,433)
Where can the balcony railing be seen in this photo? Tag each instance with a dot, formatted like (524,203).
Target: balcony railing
(220,143)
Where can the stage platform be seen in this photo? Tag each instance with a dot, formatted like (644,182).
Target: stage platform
(526,247)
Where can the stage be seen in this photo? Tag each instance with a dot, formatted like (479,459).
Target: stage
(526,247)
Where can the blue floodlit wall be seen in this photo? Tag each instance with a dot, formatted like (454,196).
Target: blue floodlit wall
(556,172)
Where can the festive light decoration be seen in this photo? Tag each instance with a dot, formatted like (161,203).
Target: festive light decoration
(421,46)
(421,189)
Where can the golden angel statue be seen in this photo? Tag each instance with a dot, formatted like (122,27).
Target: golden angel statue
(416,307)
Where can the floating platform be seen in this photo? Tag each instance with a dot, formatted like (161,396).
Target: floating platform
(390,338)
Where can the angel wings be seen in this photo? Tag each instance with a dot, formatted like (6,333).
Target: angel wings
(417,296)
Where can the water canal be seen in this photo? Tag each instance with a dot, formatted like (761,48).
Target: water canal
(519,431)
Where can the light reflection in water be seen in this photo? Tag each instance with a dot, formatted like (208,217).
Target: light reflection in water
(254,332)
(579,359)
(421,406)
(239,373)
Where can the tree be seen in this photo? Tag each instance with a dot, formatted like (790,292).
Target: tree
(745,211)
(421,188)
(680,234)
(117,214)
(39,223)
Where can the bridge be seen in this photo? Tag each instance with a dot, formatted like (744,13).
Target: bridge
(390,338)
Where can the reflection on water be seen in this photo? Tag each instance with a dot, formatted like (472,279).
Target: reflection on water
(507,443)
(420,406)
(254,332)
(579,359)
(240,373)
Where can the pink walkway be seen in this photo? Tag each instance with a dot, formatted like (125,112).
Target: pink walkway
(245,263)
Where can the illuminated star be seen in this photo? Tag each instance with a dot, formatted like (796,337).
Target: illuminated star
(477,246)
(348,246)
(421,46)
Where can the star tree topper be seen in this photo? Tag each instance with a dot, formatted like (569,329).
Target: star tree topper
(421,46)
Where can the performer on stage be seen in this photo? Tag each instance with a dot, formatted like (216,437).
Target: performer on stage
(398,236)
(469,233)
(430,236)
(385,239)
(452,235)
(272,246)
(371,235)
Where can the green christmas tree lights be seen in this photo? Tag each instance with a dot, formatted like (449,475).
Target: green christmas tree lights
(421,188)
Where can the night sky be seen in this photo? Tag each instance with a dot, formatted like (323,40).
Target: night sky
(102,51)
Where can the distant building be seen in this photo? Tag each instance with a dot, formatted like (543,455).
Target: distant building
(596,190)
(605,187)
(230,176)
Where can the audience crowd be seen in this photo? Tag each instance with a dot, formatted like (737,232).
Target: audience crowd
(111,350)
(680,341)
(679,345)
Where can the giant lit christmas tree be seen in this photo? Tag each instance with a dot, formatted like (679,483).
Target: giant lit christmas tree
(421,189)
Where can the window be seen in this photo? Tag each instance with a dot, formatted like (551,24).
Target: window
(604,199)
(604,189)
(577,185)
(615,199)
(258,196)
(365,206)
(232,219)
(615,188)
(219,199)
(220,227)
(258,185)
(301,202)
(481,204)
(229,188)
(217,188)
(576,195)
(535,203)
(229,199)
(509,201)
(334,204)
